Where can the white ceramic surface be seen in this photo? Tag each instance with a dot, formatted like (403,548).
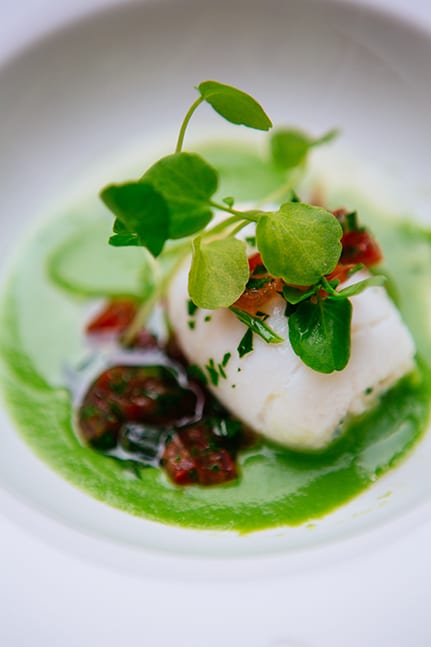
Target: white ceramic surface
(77,107)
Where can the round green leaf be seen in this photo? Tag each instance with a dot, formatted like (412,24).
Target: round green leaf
(219,272)
(186,182)
(320,334)
(140,210)
(300,243)
(290,147)
(234,105)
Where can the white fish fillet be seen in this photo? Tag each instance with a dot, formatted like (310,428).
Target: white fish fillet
(272,391)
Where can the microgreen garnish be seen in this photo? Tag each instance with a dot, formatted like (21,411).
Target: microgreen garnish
(219,272)
(355,288)
(142,214)
(312,236)
(320,333)
(294,295)
(298,243)
(234,105)
(290,147)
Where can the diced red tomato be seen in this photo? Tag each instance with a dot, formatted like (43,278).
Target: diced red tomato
(132,394)
(254,261)
(194,455)
(114,318)
(341,272)
(252,299)
(360,247)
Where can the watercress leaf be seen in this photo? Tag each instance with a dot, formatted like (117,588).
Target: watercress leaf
(141,210)
(320,333)
(243,171)
(187,183)
(234,105)
(294,295)
(299,243)
(290,147)
(256,325)
(360,286)
(124,240)
(219,272)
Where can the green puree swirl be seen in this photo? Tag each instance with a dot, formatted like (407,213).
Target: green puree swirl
(42,315)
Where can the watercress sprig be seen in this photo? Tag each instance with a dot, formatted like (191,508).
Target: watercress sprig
(299,243)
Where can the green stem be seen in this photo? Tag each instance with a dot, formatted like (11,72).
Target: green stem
(221,226)
(251,215)
(186,123)
(147,307)
(140,318)
(238,228)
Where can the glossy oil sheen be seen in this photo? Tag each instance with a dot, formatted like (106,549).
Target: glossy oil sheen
(41,341)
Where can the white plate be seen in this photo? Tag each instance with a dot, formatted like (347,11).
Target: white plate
(86,101)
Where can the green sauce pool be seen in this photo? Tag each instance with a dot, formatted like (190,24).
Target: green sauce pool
(44,306)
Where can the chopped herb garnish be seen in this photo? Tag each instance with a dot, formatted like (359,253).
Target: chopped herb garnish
(191,308)
(226,358)
(212,372)
(207,318)
(257,326)
(191,324)
(221,371)
(245,346)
